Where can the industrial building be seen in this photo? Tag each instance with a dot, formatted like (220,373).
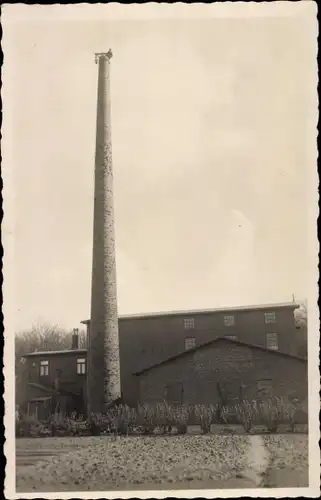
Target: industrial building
(256,346)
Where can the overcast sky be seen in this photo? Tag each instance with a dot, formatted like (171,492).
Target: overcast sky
(210,156)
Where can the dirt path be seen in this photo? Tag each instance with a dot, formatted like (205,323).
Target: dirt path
(258,461)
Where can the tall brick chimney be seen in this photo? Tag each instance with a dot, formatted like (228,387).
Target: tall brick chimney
(103,356)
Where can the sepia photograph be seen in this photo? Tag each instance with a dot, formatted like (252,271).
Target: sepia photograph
(160,250)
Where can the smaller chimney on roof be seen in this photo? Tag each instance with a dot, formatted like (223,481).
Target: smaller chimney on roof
(75,339)
(46,345)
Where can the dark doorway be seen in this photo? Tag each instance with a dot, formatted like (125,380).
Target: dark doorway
(174,393)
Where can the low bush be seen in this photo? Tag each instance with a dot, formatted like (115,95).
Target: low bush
(245,414)
(163,418)
(29,426)
(276,411)
(270,413)
(146,419)
(205,415)
(180,415)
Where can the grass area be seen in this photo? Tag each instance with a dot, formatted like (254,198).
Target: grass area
(158,462)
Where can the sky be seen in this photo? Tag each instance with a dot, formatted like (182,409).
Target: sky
(210,158)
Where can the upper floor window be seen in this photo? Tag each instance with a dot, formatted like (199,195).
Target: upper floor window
(272,341)
(270,317)
(229,320)
(44,368)
(189,323)
(81,366)
(190,343)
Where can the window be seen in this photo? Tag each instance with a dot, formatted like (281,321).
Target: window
(272,341)
(231,390)
(81,366)
(229,320)
(44,368)
(174,393)
(265,388)
(270,317)
(264,384)
(189,323)
(190,343)
(230,337)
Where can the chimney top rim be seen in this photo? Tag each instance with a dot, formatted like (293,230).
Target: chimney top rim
(106,55)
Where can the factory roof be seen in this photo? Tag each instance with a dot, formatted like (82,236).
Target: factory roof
(292,305)
(50,353)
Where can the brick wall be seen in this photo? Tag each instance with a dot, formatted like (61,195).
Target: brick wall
(149,340)
(66,362)
(230,365)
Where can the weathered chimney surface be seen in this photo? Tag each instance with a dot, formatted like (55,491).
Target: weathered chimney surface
(103,367)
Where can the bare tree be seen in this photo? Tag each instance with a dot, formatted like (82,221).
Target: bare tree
(301,314)
(301,322)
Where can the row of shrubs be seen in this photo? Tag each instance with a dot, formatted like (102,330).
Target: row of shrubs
(164,418)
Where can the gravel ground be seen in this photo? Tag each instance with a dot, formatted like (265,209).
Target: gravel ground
(185,462)
(104,463)
(289,461)
(288,450)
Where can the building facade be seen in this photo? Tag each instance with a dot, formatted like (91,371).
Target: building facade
(147,340)
(55,377)
(224,371)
